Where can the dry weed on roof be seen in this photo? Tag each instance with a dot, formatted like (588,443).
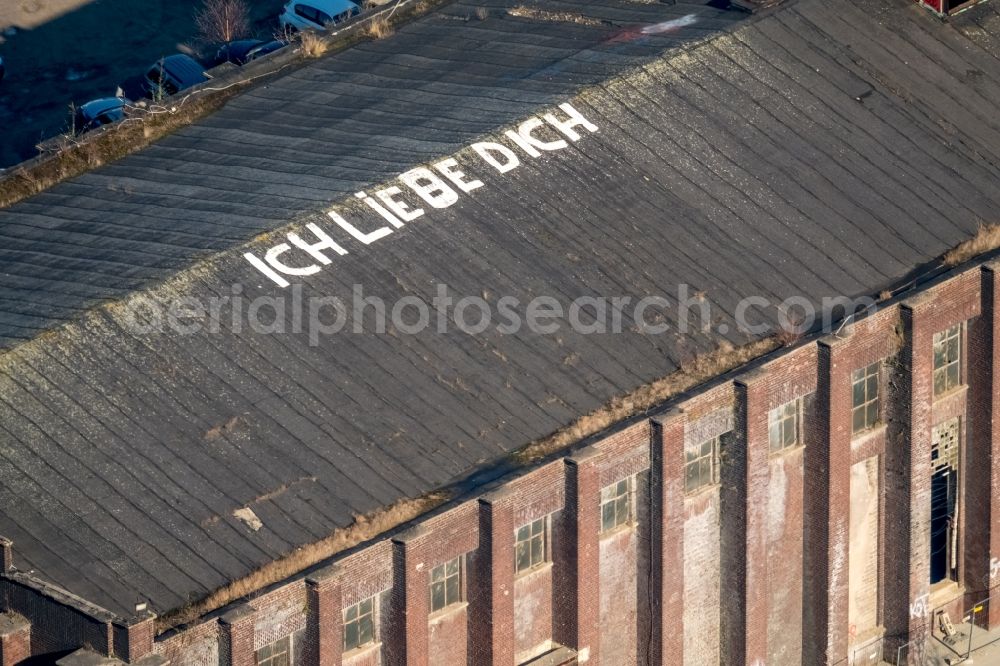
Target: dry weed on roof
(379,28)
(362,529)
(704,367)
(559,17)
(985,240)
(313,45)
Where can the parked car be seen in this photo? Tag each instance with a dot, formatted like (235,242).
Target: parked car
(171,75)
(247,50)
(98,112)
(3,68)
(235,52)
(264,49)
(316,14)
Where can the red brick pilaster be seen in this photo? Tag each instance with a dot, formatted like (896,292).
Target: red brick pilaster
(6,554)
(237,629)
(134,641)
(983,447)
(15,639)
(991,401)
(667,490)
(908,500)
(491,597)
(411,585)
(749,593)
(581,557)
(827,506)
(324,619)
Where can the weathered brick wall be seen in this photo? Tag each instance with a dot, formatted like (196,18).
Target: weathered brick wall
(532,612)
(447,636)
(15,639)
(55,627)
(196,646)
(279,614)
(863,584)
(619,607)
(784,559)
(982,470)
(701,580)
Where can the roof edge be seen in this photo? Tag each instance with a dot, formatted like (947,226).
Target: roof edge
(64,597)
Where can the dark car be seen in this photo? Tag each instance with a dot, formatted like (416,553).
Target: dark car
(98,112)
(236,52)
(264,49)
(247,50)
(172,74)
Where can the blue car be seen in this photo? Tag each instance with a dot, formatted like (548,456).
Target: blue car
(315,14)
(247,50)
(98,112)
(173,74)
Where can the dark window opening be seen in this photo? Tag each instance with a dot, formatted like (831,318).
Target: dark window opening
(944,502)
(950,6)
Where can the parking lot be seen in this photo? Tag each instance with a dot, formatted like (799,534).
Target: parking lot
(59,52)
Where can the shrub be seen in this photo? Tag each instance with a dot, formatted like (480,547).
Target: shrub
(223,20)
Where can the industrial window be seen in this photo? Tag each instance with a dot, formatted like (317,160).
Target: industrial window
(616,504)
(359,625)
(278,653)
(530,548)
(947,359)
(865,412)
(446,584)
(945,482)
(701,465)
(783,426)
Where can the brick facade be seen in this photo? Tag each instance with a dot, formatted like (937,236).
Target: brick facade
(15,639)
(784,558)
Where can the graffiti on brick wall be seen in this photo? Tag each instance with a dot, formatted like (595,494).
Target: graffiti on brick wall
(920,608)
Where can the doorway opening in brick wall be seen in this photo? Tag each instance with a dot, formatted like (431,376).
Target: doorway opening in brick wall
(944,502)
